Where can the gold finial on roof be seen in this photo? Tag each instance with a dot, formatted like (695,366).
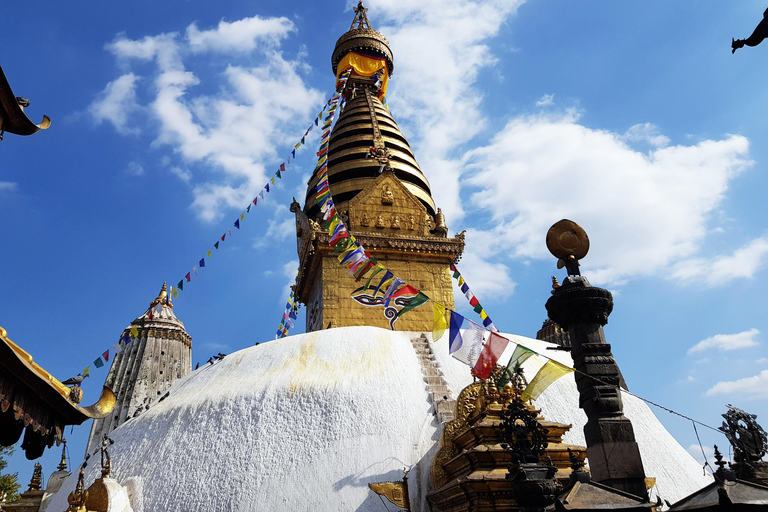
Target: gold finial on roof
(63,464)
(163,298)
(37,478)
(77,497)
(106,460)
(360,18)
(555,284)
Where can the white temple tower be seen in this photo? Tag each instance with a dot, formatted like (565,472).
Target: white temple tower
(160,351)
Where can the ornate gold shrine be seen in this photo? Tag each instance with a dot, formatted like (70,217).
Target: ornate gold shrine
(469,471)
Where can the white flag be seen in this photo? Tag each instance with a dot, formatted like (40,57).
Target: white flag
(117,348)
(472,344)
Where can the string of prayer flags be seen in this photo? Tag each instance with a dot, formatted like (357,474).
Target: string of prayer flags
(289,314)
(473,300)
(519,356)
(489,356)
(549,373)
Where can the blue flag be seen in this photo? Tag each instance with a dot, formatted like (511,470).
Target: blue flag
(454,335)
(389,275)
(237,223)
(202,262)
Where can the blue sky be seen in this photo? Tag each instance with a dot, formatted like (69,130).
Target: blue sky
(631,118)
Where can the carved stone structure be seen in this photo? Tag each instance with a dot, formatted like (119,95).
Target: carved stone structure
(583,310)
(376,180)
(29,500)
(147,366)
(470,470)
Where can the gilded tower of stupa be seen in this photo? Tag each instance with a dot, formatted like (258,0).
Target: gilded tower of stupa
(381,194)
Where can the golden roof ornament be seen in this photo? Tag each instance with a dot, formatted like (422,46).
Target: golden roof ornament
(162,298)
(362,38)
(37,478)
(106,460)
(77,497)
(63,464)
(395,492)
(568,242)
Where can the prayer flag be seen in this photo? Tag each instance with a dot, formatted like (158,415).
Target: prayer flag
(229,232)
(194,269)
(254,201)
(150,314)
(248,210)
(483,315)
(117,348)
(189,278)
(134,331)
(454,334)
(209,252)
(105,355)
(438,321)
(378,268)
(464,288)
(87,371)
(216,245)
(461,281)
(518,357)
(272,180)
(174,292)
(202,262)
(415,302)
(282,168)
(386,279)
(478,309)
(473,301)
(126,338)
(472,344)
(490,355)
(365,268)
(297,146)
(293,153)
(302,140)
(318,118)
(278,174)
(242,215)
(159,307)
(180,286)
(237,223)
(392,287)
(98,363)
(261,194)
(456,275)
(356,253)
(549,373)
(453,267)
(223,237)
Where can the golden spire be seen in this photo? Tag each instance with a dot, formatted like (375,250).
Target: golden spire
(37,478)
(77,497)
(162,298)
(360,18)
(63,464)
(106,460)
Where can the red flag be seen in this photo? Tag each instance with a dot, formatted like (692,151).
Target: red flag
(222,237)
(473,301)
(453,268)
(490,355)
(188,278)
(105,355)
(150,315)
(282,167)
(254,200)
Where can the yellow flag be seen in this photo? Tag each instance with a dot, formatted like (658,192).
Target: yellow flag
(272,180)
(393,491)
(461,280)
(134,331)
(439,324)
(209,253)
(242,215)
(549,373)
(174,292)
(483,314)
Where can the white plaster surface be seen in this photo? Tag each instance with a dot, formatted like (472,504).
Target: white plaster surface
(306,422)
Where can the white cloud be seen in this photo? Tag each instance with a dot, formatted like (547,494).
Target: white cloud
(743,263)
(653,208)
(116,104)
(546,100)
(726,342)
(7,187)
(695,451)
(260,102)
(445,114)
(239,36)
(134,169)
(748,388)
(281,227)
(648,133)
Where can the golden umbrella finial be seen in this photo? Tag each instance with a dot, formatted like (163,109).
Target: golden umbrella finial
(568,242)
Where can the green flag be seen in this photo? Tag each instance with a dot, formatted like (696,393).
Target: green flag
(98,363)
(518,357)
(415,302)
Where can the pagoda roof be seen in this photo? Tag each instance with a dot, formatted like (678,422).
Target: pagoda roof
(12,116)
(34,403)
